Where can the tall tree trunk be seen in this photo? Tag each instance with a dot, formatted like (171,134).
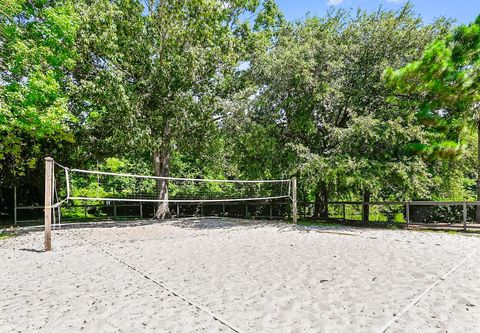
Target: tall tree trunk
(366,206)
(161,162)
(477,215)
(321,202)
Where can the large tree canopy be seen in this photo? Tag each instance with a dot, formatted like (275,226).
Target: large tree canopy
(321,95)
(36,55)
(151,73)
(443,87)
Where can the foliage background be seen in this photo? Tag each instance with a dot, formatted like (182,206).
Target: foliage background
(359,106)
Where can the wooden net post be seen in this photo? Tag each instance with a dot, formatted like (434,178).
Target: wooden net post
(48,202)
(294,200)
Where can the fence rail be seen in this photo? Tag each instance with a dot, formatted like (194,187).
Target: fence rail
(436,214)
(85,211)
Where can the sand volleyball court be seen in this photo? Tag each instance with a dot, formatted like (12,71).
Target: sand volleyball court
(223,275)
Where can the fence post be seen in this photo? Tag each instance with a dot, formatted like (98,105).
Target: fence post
(15,205)
(246,210)
(141,210)
(344,213)
(178,210)
(48,203)
(114,211)
(407,213)
(464,216)
(223,208)
(271,210)
(294,200)
(363,211)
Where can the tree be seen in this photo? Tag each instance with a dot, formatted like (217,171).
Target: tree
(322,82)
(375,154)
(151,72)
(36,54)
(444,86)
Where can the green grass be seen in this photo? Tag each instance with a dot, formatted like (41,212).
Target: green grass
(373,217)
(307,223)
(376,221)
(5,236)
(80,213)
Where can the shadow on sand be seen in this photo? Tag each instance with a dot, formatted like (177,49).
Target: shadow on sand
(202,223)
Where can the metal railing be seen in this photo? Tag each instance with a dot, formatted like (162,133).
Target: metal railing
(117,210)
(62,212)
(436,214)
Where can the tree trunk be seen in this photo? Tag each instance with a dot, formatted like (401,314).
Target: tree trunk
(321,202)
(366,206)
(161,162)
(477,215)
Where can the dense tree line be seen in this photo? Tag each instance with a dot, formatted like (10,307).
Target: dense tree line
(358,105)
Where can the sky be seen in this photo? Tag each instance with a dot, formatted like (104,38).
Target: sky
(463,11)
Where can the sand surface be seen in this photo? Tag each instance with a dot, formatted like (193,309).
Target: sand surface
(253,277)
